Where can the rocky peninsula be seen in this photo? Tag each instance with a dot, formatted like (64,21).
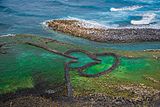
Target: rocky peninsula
(101,34)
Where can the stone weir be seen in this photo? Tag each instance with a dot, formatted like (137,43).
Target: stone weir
(102,34)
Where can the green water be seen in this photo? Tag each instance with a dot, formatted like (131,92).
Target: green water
(24,67)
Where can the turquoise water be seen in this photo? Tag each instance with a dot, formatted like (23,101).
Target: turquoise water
(25,17)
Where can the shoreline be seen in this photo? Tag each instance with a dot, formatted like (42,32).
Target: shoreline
(28,96)
(95,100)
(99,34)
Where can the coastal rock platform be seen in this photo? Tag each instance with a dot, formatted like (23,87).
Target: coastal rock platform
(101,34)
(32,74)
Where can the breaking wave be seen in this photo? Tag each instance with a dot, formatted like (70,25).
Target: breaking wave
(7,35)
(130,8)
(146,19)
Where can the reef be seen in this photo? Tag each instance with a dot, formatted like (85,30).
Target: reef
(37,70)
(101,34)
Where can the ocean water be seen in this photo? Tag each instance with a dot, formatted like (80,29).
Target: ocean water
(26,17)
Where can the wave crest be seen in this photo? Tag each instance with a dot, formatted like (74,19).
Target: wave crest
(146,19)
(7,35)
(130,8)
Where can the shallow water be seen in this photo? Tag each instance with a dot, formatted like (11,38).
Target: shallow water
(25,17)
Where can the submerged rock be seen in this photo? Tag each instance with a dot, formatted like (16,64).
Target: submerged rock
(99,33)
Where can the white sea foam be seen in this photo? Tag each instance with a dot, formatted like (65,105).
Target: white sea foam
(7,35)
(129,8)
(45,23)
(146,19)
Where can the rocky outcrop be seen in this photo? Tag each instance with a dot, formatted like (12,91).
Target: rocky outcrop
(101,34)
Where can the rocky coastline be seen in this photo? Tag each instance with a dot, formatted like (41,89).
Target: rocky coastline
(94,100)
(101,34)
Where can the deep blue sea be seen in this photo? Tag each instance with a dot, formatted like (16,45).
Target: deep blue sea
(26,17)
